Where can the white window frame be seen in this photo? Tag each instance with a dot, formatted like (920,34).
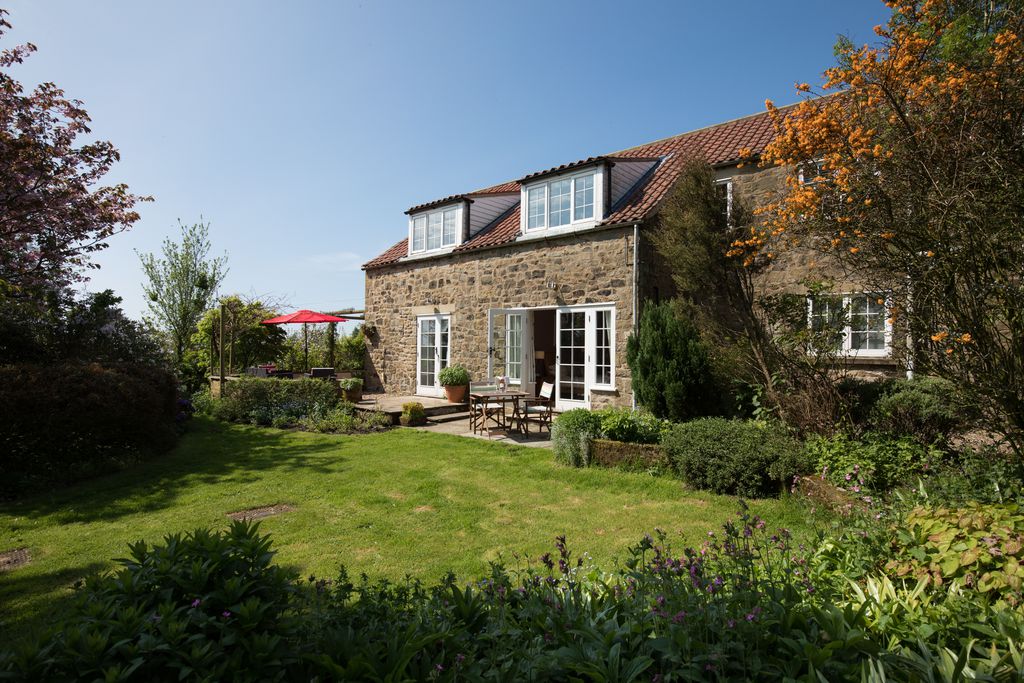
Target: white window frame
(847,349)
(435,214)
(727,182)
(810,181)
(440,362)
(592,348)
(521,317)
(545,185)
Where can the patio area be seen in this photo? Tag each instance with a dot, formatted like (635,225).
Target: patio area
(449,418)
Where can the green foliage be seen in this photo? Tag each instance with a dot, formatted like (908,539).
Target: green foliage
(926,408)
(631,426)
(326,349)
(744,458)
(874,463)
(60,423)
(350,353)
(89,328)
(453,376)
(571,433)
(984,475)
(350,384)
(281,403)
(671,366)
(413,414)
(748,604)
(203,402)
(246,342)
(344,419)
(206,605)
(980,546)
(180,284)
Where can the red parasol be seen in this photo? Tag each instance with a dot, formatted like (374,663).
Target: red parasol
(304,316)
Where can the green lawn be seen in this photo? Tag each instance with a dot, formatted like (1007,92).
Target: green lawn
(389,504)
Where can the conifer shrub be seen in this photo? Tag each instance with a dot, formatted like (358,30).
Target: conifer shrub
(672,369)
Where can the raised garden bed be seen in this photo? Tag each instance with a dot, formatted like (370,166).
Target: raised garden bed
(627,456)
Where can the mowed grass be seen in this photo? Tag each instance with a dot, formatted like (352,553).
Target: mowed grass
(391,504)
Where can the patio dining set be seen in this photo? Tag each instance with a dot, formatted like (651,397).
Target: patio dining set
(493,406)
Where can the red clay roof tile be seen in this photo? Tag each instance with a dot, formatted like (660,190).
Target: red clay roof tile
(718,145)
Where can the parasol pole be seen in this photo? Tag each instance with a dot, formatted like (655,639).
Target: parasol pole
(305,347)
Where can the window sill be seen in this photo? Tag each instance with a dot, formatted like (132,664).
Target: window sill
(431,252)
(541,233)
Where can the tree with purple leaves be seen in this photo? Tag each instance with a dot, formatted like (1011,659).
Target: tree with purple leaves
(54,213)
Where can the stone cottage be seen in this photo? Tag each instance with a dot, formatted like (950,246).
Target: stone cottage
(541,279)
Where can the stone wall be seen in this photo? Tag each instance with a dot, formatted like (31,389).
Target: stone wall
(589,267)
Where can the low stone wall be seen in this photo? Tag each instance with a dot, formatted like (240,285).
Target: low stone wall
(628,456)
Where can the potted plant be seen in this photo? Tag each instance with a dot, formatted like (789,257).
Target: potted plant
(455,380)
(351,389)
(412,414)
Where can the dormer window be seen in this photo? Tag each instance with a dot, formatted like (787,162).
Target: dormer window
(561,201)
(434,230)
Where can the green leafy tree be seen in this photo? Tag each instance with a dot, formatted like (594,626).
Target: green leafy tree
(671,367)
(246,341)
(180,286)
(757,341)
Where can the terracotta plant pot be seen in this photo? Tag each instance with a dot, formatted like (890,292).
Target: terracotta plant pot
(456,393)
(353,395)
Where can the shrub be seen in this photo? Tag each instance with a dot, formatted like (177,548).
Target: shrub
(412,414)
(203,402)
(344,419)
(744,458)
(571,434)
(278,402)
(860,397)
(60,423)
(631,426)
(984,475)
(926,409)
(876,462)
(981,546)
(453,376)
(206,605)
(671,367)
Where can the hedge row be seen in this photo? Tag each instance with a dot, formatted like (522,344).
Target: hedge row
(64,422)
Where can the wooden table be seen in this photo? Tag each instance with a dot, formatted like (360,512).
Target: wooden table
(481,398)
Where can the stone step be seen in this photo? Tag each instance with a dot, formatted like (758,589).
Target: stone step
(449,417)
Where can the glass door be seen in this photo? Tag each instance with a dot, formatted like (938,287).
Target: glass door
(571,360)
(432,341)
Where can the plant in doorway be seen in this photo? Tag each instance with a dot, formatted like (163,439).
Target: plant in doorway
(455,380)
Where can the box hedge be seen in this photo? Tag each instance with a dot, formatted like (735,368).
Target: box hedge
(68,421)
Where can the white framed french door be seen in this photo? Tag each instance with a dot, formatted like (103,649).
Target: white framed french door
(584,354)
(433,337)
(571,390)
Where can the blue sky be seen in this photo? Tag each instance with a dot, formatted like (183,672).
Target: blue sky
(302,130)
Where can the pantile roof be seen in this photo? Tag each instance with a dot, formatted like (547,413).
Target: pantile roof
(718,145)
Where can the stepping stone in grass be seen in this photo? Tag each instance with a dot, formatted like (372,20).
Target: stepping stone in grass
(261,512)
(13,559)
